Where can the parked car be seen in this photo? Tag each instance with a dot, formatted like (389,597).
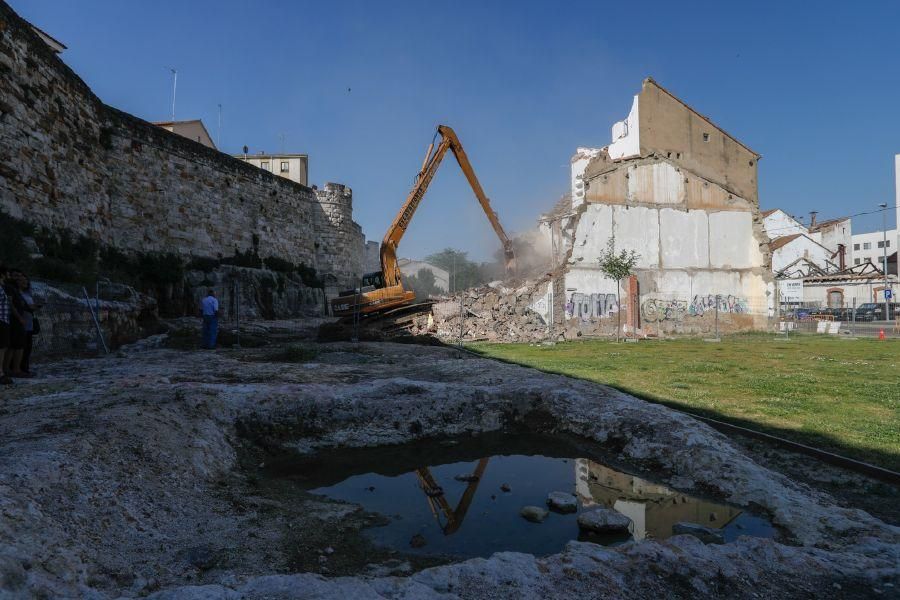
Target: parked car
(874,311)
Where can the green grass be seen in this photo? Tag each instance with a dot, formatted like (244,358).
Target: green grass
(835,394)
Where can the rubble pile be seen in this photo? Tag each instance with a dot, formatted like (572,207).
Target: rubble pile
(491,313)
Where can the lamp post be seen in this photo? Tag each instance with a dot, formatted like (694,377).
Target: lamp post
(884,265)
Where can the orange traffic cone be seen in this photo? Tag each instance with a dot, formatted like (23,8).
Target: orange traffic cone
(881,334)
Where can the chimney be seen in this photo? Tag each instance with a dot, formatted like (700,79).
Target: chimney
(812,218)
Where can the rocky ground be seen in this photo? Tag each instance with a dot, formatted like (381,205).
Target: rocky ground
(133,476)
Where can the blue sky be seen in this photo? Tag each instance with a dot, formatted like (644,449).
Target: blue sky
(360,87)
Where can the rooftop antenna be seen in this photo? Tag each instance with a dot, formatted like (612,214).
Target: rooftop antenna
(174,88)
(219,132)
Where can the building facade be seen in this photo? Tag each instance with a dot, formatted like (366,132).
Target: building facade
(681,193)
(193,130)
(290,166)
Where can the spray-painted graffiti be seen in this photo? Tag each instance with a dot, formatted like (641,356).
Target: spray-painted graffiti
(591,306)
(653,311)
(727,304)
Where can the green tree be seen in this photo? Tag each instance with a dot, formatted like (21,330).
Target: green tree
(463,272)
(617,266)
(422,283)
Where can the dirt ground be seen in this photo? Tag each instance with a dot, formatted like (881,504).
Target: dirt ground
(142,474)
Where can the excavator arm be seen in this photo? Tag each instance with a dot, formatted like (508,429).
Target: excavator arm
(433,158)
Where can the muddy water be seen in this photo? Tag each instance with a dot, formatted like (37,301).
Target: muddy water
(462,498)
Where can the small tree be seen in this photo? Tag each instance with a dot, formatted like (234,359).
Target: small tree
(618,267)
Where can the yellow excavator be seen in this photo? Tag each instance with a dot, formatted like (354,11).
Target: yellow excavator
(383,290)
(449,519)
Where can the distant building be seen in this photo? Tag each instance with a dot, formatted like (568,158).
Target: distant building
(55,45)
(412,267)
(372,260)
(192,130)
(870,247)
(798,250)
(290,166)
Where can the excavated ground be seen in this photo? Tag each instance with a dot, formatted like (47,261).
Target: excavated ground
(136,475)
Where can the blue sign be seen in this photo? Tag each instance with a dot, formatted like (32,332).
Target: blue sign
(888,294)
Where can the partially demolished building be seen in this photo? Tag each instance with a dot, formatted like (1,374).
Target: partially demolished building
(682,194)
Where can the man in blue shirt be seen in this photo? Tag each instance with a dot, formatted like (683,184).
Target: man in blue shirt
(209,310)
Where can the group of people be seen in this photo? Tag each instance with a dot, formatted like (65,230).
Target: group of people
(18,325)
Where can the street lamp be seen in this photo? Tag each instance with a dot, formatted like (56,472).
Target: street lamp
(883,206)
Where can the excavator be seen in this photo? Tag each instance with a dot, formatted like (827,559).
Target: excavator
(449,519)
(383,290)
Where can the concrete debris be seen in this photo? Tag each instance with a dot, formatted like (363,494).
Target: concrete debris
(491,313)
(603,520)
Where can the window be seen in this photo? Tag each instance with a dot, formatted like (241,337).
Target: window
(285,166)
(856,261)
(887,244)
(264,165)
(705,137)
(856,246)
(867,245)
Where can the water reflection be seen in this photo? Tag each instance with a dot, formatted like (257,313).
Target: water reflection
(471,508)
(653,508)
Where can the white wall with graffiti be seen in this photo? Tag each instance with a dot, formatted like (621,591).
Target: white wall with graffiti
(694,265)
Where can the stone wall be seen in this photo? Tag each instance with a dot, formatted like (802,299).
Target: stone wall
(340,244)
(71,162)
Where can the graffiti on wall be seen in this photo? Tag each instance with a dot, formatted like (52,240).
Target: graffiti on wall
(727,304)
(653,311)
(591,306)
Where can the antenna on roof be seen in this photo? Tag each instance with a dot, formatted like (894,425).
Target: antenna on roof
(174,87)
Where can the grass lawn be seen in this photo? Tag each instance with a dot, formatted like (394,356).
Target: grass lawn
(835,394)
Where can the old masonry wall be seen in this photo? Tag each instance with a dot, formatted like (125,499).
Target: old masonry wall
(71,162)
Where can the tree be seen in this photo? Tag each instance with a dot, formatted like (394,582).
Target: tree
(422,283)
(463,272)
(618,267)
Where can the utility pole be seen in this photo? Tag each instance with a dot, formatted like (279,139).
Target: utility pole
(883,206)
(174,88)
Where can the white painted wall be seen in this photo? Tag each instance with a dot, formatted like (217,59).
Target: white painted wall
(686,258)
(873,253)
(579,163)
(779,224)
(801,247)
(625,141)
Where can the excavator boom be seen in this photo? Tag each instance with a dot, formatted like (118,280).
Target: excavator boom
(385,291)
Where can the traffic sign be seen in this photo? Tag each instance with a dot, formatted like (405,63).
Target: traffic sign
(888,294)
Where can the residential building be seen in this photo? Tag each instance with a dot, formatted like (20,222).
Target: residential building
(290,166)
(55,45)
(193,130)
(680,192)
(870,247)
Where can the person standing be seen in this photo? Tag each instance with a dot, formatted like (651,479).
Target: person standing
(31,323)
(5,379)
(13,358)
(209,311)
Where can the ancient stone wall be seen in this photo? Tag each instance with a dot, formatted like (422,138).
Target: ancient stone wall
(340,243)
(71,162)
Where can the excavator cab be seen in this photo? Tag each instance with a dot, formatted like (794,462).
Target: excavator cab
(374,280)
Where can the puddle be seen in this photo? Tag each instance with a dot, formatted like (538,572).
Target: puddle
(432,510)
